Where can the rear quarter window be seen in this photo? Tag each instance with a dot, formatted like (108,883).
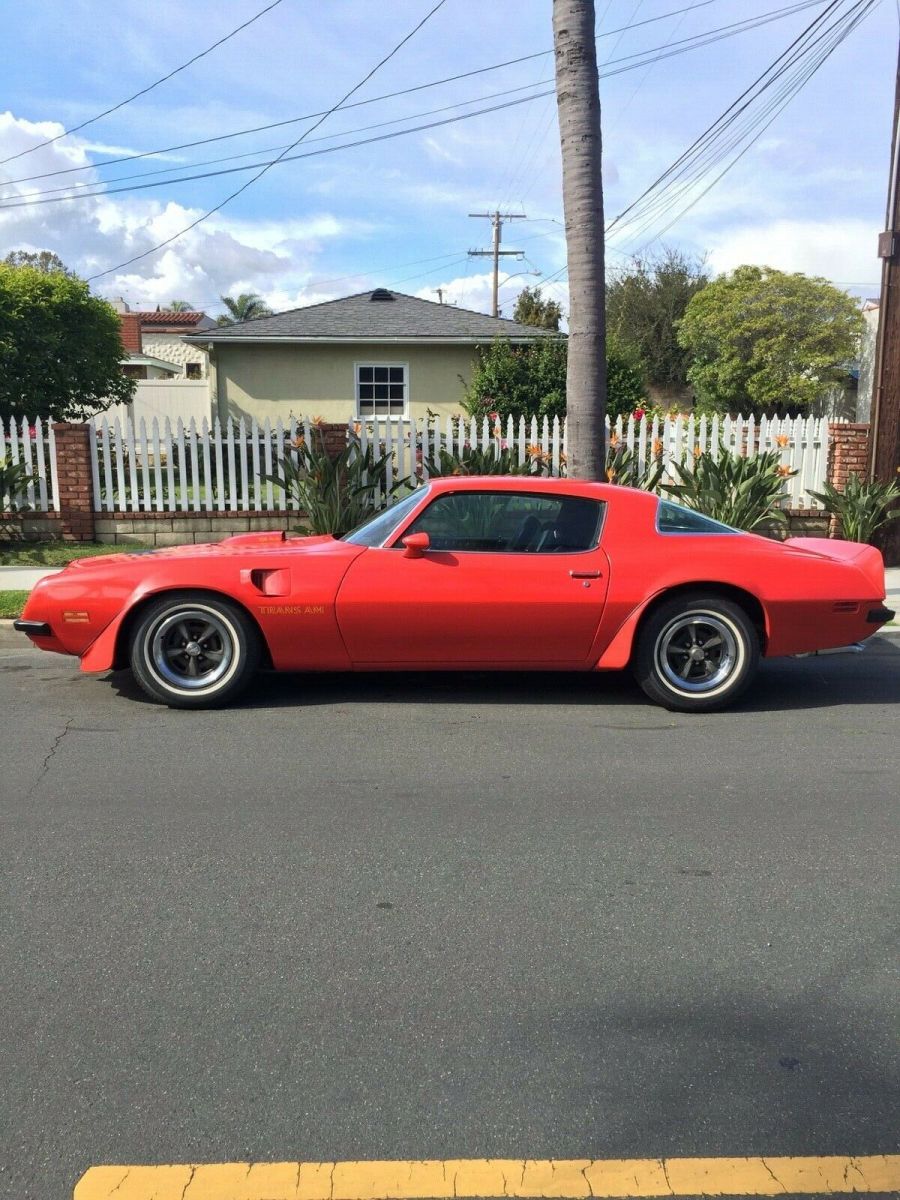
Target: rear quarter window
(673,518)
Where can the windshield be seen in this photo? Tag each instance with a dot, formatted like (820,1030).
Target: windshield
(377,530)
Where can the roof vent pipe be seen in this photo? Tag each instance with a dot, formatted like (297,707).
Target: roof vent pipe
(381,294)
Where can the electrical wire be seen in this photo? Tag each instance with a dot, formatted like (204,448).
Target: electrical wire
(249,183)
(149,88)
(101,188)
(807,59)
(751,22)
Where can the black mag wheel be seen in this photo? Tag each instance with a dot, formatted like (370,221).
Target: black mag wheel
(696,653)
(193,650)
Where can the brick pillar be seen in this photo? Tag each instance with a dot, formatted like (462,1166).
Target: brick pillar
(73,470)
(848,451)
(334,435)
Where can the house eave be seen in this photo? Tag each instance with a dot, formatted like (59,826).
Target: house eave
(351,341)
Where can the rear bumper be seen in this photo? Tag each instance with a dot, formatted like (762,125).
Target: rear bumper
(878,616)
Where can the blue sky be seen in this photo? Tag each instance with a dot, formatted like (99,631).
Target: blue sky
(808,196)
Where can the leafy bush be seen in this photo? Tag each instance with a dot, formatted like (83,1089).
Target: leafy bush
(623,466)
(862,507)
(497,459)
(738,491)
(14,479)
(336,494)
(530,381)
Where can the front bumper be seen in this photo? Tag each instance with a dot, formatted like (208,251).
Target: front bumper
(33,628)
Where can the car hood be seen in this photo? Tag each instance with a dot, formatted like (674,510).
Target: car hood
(241,543)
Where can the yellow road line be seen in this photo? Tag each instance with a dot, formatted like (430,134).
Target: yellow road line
(534,1179)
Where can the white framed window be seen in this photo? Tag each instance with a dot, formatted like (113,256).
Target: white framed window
(382,389)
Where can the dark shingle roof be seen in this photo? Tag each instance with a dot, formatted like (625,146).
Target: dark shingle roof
(361,318)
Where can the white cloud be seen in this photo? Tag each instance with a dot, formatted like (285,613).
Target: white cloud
(275,257)
(842,249)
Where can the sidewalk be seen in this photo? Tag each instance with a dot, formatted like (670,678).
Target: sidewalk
(892,583)
(23,579)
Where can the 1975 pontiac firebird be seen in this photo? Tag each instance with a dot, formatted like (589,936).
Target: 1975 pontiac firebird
(468,573)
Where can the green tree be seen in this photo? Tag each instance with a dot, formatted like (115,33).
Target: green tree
(531,380)
(45,261)
(532,309)
(763,340)
(60,348)
(245,307)
(181,306)
(645,303)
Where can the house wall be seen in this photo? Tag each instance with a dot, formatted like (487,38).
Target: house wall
(301,380)
(170,348)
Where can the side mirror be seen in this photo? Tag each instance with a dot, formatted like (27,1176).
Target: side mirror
(415,545)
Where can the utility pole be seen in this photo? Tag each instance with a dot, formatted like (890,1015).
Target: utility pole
(440,295)
(884,446)
(496,219)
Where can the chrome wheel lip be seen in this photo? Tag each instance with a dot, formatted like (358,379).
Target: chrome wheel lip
(212,645)
(708,644)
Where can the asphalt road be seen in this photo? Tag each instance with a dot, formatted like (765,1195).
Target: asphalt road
(403,917)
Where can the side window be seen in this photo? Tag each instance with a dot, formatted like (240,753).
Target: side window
(510,523)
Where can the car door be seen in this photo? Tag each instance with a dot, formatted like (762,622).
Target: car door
(510,579)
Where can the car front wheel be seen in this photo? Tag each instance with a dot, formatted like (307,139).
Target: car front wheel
(696,653)
(193,650)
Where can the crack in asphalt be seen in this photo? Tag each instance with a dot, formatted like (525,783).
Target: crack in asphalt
(48,758)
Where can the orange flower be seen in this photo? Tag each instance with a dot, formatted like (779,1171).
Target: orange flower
(610,473)
(299,442)
(614,439)
(563,457)
(357,427)
(697,452)
(782,440)
(784,471)
(534,451)
(318,420)
(657,447)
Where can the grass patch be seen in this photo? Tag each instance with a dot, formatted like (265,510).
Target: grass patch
(11,604)
(49,554)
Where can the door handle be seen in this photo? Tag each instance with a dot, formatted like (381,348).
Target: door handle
(585,574)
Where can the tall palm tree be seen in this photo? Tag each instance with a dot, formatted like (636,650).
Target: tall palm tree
(181,306)
(246,307)
(578,105)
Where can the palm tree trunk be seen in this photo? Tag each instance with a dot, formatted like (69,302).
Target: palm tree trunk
(578,104)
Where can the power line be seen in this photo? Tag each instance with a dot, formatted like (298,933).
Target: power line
(149,88)
(244,186)
(750,22)
(706,157)
(696,42)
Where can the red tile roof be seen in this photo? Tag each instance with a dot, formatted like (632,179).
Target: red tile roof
(164,317)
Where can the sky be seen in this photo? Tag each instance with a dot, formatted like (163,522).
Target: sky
(809,195)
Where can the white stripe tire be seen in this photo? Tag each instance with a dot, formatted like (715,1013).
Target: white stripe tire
(194,650)
(696,653)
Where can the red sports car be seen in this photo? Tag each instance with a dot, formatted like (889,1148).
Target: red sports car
(493,573)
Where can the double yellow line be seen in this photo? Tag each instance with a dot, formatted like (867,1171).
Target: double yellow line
(528,1179)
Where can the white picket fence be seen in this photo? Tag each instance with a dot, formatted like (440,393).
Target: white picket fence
(166,467)
(802,443)
(31,446)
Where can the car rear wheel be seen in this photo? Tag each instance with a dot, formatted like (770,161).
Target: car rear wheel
(696,653)
(192,650)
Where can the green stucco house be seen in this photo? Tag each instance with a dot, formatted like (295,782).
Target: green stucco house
(376,354)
